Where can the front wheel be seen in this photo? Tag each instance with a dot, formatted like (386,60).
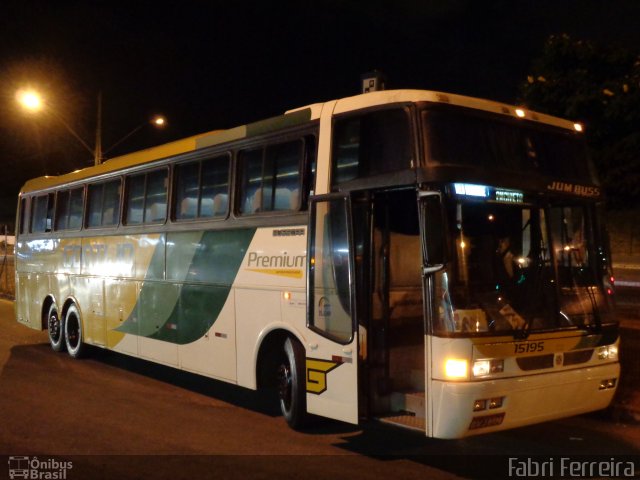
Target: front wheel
(55,327)
(291,384)
(73,333)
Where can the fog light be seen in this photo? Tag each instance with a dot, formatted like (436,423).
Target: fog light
(479,405)
(608,383)
(496,402)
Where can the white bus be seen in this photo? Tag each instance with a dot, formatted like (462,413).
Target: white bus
(431,260)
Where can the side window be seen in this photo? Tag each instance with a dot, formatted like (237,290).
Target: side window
(42,213)
(371,144)
(202,189)
(69,206)
(103,204)
(147,197)
(23,215)
(271,178)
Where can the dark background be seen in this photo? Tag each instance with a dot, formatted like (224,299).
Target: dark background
(209,65)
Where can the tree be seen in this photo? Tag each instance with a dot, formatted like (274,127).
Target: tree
(599,87)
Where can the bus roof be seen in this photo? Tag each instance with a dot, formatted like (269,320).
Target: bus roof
(291,118)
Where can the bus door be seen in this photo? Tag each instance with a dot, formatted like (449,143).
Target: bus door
(432,234)
(332,346)
(396,360)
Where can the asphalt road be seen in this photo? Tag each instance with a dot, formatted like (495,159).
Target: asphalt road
(117,417)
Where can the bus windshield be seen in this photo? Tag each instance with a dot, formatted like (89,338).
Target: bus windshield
(518,268)
(456,136)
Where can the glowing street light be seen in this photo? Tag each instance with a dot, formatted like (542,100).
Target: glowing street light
(157,121)
(31,101)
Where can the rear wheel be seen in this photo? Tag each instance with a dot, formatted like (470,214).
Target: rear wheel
(73,333)
(55,326)
(291,384)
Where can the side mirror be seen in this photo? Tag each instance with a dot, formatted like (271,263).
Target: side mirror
(432,227)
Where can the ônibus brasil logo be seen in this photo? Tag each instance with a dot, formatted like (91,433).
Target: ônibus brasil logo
(32,468)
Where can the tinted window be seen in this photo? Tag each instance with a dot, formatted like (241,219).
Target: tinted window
(103,204)
(147,197)
(372,144)
(456,137)
(69,205)
(42,213)
(23,215)
(329,268)
(271,178)
(202,189)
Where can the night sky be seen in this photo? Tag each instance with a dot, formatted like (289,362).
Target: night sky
(208,65)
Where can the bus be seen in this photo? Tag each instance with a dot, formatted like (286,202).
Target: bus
(434,261)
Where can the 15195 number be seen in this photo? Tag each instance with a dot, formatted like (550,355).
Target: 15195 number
(529,347)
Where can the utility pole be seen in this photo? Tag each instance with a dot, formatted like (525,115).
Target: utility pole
(98,149)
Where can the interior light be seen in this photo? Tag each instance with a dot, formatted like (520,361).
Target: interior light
(578,127)
(520,112)
(456,368)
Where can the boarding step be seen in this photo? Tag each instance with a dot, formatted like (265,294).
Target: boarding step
(405,420)
(412,403)
(408,380)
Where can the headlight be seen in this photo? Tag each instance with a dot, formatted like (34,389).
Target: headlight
(482,368)
(609,352)
(456,368)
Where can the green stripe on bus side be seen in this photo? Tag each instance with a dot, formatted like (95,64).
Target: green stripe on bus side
(278,123)
(181,313)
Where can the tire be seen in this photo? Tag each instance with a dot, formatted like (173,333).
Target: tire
(73,333)
(292,385)
(55,328)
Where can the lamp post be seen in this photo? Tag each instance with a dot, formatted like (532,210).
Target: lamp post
(32,102)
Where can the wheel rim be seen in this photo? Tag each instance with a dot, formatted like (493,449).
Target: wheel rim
(284,385)
(54,327)
(73,331)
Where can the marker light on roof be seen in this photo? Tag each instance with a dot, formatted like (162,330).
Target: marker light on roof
(520,112)
(578,127)
(471,190)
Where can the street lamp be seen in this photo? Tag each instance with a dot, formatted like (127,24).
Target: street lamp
(29,99)
(32,102)
(157,121)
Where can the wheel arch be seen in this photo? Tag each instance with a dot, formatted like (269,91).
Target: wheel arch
(269,352)
(44,314)
(67,303)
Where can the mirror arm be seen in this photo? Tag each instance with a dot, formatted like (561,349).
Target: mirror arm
(430,269)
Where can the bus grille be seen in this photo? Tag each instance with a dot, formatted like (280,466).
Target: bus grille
(536,362)
(581,356)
